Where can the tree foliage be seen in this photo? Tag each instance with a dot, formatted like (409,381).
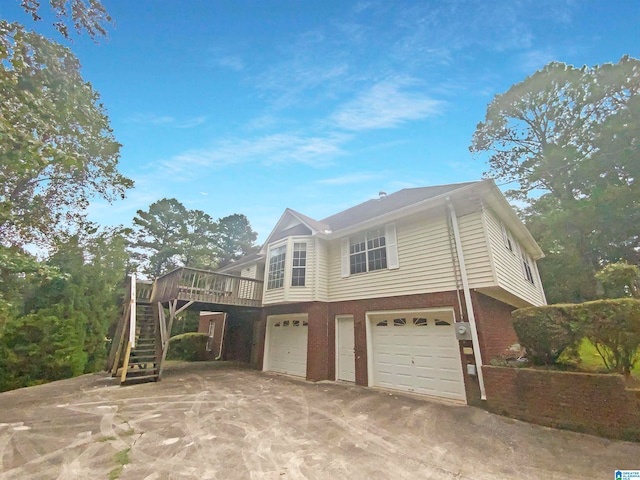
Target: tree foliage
(568,138)
(56,144)
(234,238)
(619,280)
(84,15)
(168,235)
(58,327)
(157,235)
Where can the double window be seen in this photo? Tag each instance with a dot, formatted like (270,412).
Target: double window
(367,252)
(277,266)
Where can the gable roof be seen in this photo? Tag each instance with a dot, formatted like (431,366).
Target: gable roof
(400,202)
(389,203)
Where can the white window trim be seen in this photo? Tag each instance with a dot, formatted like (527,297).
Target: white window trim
(391,245)
(268,265)
(306,263)
(509,241)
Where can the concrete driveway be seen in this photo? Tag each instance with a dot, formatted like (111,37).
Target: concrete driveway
(220,421)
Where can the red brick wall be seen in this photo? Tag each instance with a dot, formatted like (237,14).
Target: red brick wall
(493,318)
(203,327)
(495,326)
(597,404)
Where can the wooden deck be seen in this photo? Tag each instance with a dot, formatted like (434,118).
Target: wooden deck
(204,286)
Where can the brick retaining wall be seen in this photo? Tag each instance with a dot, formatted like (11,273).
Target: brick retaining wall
(598,404)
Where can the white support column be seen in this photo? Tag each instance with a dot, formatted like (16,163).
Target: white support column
(467,298)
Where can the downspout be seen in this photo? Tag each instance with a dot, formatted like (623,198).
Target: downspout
(467,298)
(224,325)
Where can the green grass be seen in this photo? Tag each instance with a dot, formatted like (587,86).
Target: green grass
(591,360)
(122,459)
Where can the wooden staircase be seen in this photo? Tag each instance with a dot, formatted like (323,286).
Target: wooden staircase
(144,361)
(141,340)
(136,352)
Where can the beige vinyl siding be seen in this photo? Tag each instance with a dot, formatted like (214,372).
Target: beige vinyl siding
(425,264)
(321,271)
(476,253)
(508,265)
(249,272)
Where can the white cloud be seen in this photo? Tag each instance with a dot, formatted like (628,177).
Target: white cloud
(534,60)
(231,62)
(152,119)
(191,123)
(167,120)
(349,179)
(387,104)
(310,150)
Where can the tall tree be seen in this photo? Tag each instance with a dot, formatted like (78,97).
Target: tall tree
(158,234)
(235,238)
(56,145)
(568,137)
(168,235)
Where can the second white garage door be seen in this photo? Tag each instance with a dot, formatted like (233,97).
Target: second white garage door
(416,352)
(286,345)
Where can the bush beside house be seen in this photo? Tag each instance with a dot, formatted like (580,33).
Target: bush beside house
(191,347)
(595,403)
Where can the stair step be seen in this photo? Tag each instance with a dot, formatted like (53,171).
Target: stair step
(142,372)
(142,359)
(138,380)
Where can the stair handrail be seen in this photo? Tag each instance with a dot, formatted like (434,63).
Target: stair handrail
(132,312)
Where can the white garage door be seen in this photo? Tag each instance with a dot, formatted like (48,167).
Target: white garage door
(286,351)
(417,352)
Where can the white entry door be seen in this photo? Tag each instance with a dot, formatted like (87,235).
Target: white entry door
(345,350)
(416,351)
(286,345)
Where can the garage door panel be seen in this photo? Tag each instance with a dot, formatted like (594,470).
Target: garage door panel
(422,358)
(287,347)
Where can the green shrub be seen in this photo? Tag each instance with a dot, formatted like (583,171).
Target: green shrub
(190,347)
(613,327)
(545,332)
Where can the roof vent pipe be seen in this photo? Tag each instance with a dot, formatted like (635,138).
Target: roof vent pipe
(382,195)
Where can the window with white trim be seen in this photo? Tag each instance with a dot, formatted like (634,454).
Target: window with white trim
(275,278)
(367,252)
(508,239)
(373,250)
(526,267)
(299,269)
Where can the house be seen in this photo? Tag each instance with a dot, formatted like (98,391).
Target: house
(411,291)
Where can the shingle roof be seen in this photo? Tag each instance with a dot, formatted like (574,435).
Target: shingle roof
(387,204)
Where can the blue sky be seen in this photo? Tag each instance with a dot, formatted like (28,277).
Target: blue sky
(252,107)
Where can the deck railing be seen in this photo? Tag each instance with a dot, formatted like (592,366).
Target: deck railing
(205,286)
(143,290)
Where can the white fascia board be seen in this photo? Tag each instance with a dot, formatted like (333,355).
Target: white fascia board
(287,212)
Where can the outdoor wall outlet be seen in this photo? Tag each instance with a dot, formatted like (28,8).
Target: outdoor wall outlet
(471,369)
